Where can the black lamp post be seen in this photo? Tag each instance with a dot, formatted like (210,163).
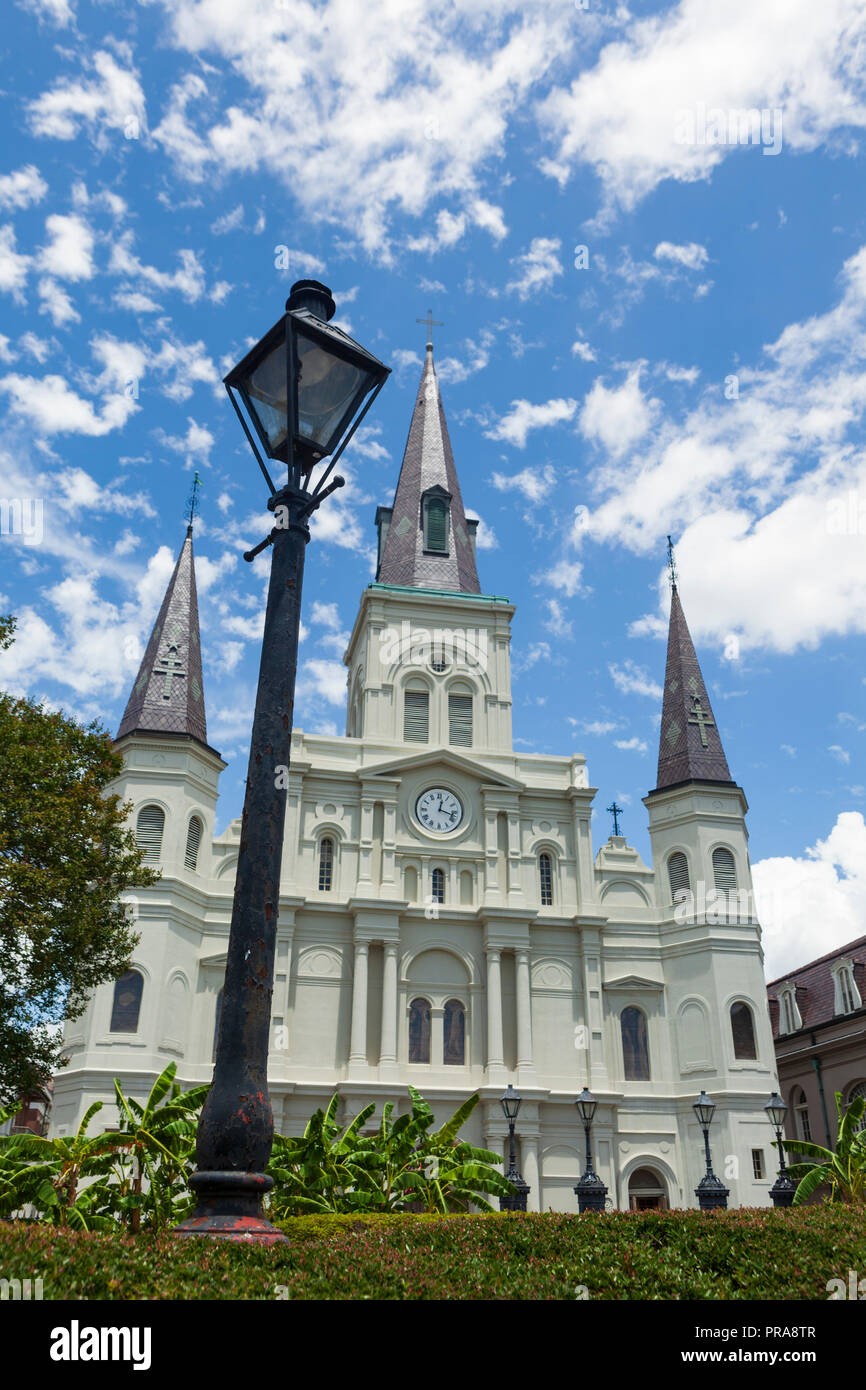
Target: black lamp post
(783,1189)
(510,1103)
(305,387)
(591,1191)
(710,1191)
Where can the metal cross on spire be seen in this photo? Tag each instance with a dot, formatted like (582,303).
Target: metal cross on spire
(672,564)
(192,501)
(616,812)
(431,324)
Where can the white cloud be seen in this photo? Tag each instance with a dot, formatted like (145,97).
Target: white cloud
(537,268)
(22,188)
(565,575)
(515,426)
(13,265)
(188,279)
(52,407)
(195,445)
(840,754)
(631,745)
(632,679)
(771,483)
(595,726)
(112,102)
(69,253)
(485,536)
(534,483)
(691,255)
(229,222)
(624,116)
(58,12)
(619,417)
(56,303)
(582,350)
(809,906)
(135,302)
(556,621)
(320,679)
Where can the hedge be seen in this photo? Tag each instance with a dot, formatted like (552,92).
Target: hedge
(742,1254)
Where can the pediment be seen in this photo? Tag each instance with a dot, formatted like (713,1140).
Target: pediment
(442,757)
(633,982)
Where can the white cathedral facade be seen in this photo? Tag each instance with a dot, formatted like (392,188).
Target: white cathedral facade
(444,920)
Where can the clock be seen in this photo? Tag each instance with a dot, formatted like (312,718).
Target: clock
(439,810)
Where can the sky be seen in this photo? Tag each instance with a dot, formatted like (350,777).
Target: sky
(653,311)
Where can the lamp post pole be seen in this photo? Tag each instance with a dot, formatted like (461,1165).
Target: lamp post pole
(711,1192)
(591,1191)
(783,1189)
(236,1126)
(510,1103)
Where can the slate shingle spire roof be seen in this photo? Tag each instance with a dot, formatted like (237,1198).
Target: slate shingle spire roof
(427,463)
(690,747)
(168,695)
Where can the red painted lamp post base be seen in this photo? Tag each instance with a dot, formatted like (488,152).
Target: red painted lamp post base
(229,1207)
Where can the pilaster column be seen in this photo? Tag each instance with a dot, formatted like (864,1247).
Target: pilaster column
(495,1050)
(515,889)
(358,1046)
(491,877)
(437,1036)
(597,1072)
(389,843)
(365,844)
(388,1037)
(525,1059)
(529,1169)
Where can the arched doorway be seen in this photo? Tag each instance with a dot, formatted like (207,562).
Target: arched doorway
(647,1191)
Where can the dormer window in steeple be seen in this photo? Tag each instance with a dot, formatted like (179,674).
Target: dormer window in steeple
(436,520)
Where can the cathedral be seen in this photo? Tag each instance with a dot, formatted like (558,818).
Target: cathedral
(444,920)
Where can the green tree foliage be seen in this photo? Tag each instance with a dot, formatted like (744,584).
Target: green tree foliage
(842,1174)
(66,855)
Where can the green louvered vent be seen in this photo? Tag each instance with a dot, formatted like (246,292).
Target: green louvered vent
(460,720)
(437,525)
(148,832)
(416,716)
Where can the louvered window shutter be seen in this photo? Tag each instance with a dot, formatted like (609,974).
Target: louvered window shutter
(193,840)
(724,871)
(416,716)
(148,832)
(437,530)
(460,720)
(678,873)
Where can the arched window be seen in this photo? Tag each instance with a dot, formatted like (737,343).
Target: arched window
(416,716)
(126,1005)
(743,1032)
(437,885)
(216,1026)
(858,1092)
(460,720)
(326,865)
(724,871)
(148,832)
(678,873)
(193,840)
(801,1115)
(454,1045)
(635,1045)
(545,880)
(419,1031)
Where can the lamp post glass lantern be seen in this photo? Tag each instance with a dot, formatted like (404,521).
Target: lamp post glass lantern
(591,1191)
(305,388)
(510,1103)
(711,1192)
(783,1189)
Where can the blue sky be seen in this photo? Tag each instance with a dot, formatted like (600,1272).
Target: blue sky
(699,369)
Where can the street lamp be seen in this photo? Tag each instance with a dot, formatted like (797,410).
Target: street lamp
(591,1191)
(783,1189)
(305,387)
(510,1103)
(710,1191)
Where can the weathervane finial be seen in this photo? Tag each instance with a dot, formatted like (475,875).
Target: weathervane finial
(192,503)
(431,324)
(672,565)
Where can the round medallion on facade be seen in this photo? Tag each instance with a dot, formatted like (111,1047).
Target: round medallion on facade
(439,810)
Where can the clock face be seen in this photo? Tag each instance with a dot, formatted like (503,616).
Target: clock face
(438,809)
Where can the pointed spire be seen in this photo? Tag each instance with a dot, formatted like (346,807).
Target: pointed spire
(168,695)
(690,746)
(428,464)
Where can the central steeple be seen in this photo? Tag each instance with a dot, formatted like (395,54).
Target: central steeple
(425,540)
(690,746)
